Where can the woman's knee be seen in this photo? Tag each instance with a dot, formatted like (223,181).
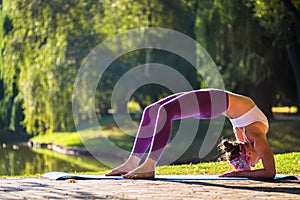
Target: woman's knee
(167,111)
(152,108)
(171,107)
(150,114)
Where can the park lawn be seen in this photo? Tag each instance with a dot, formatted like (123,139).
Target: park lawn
(280,142)
(282,137)
(287,163)
(77,138)
(60,138)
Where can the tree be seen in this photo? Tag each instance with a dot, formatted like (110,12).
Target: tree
(130,14)
(248,55)
(9,104)
(42,54)
(44,43)
(281,20)
(231,36)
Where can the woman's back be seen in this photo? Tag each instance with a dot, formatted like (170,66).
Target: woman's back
(238,105)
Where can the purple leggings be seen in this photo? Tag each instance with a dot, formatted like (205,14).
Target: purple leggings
(156,124)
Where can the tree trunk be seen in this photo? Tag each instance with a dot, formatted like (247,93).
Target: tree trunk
(262,95)
(293,50)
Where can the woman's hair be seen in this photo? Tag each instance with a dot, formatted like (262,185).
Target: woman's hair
(231,149)
(236,154)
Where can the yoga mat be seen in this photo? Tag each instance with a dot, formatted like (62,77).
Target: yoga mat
(65,176)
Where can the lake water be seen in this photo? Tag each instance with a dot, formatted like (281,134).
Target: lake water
(18,160)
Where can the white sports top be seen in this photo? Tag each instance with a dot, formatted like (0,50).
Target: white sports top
(253,115)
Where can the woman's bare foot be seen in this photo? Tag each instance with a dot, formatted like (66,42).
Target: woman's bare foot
(129,165)
(116,172)
(139,175)
(147,170)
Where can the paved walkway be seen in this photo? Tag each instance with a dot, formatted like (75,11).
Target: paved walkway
(40,188)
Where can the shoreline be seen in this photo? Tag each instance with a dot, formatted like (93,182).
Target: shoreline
(74,151)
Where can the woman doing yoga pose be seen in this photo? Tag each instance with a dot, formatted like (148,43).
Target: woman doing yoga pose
(250,126)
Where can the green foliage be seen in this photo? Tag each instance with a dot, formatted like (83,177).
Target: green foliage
(280,21)
(247,40)
(42,53)
(276,18)
(43,44)
(229,34)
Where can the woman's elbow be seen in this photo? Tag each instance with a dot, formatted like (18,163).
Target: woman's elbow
(270,174)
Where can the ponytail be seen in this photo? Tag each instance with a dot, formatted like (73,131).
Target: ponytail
(231,149)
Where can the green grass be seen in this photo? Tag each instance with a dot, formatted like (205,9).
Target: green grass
(89,163)
(283,137)
(60,138)
(285,164)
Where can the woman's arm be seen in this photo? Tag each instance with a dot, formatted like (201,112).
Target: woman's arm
(264,151)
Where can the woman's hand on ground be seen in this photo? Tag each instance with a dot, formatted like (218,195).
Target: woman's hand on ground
(232,173)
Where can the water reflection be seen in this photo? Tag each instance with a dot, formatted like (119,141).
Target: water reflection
(21,160)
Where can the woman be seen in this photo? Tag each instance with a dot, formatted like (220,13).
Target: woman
(250,126)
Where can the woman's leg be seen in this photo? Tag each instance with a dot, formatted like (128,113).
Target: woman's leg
(204,104)
(143,138)
(147,126)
